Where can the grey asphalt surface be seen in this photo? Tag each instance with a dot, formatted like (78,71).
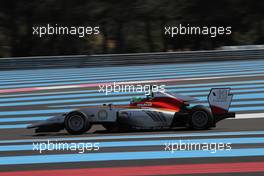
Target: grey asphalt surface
(224,126)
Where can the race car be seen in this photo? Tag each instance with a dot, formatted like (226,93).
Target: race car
(159,110)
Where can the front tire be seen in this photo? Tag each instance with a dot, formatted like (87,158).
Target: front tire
(201,118)
(76,123)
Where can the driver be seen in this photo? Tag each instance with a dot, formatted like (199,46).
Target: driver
(136,99)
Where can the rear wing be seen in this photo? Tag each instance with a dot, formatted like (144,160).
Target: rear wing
(219,100)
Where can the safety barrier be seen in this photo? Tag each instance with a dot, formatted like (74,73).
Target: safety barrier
(127,59)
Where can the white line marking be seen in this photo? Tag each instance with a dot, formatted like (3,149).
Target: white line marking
(249,116)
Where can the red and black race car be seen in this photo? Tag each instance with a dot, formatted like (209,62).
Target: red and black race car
(159,110)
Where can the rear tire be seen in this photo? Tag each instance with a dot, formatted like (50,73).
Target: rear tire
(76,123)
(201,118)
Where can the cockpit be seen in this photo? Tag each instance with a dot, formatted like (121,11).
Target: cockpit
(164,94)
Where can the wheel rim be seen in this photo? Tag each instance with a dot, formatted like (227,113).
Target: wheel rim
(76,122)
(200,119)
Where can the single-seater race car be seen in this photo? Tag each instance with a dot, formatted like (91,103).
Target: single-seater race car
(159,110)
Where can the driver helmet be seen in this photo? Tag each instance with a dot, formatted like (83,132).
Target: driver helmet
(136,99)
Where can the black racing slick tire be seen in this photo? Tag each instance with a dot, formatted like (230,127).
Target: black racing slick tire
(76,123)
(201,118)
